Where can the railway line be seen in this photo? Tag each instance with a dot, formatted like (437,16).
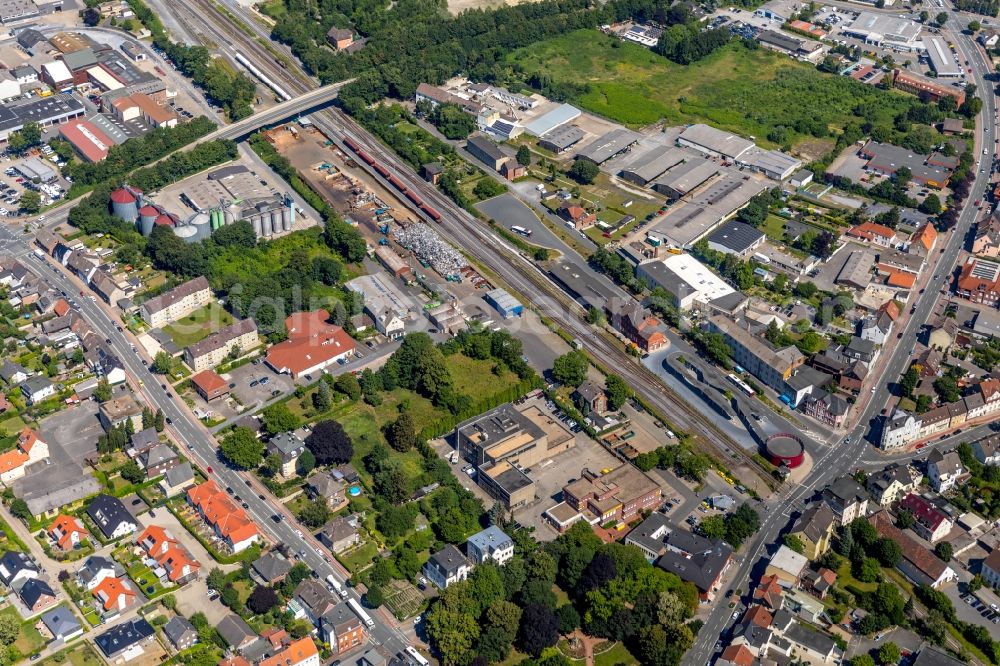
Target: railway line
(469,235)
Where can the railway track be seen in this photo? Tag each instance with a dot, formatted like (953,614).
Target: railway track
(473,238)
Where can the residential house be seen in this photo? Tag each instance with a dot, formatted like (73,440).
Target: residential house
(819,583)
(877,234)
(62,624)
(342,629)
(160,544)
(301,652)
(787,565)
(180,632)
(704,568)
(944,470)
(117,411)
(177,479)
(126,637)
(213,350)
(158,460)
(923,240)
(95,570)
(37,595)
(899,429)
(577,216)
(105,286)
(228,520)
(28,450)
(314,600)
(111,517)
(892,483)
(815,528)
(210,385)
(930,522)
(491,544)
(12,373)
(36,389)
(67,532)
(271,567)
(772,366)
(987,240)
(339,534)
(826,407)
(16,568)
(447,566)
(591,397)
(942,333)
(236,632)
(142,441)
(325,486)
(987,450)
(736,655)
(876,328)
(288,446)
(847,499)
(918,563)
(115,594)
(990,569)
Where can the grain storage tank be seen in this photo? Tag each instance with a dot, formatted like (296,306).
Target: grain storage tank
(187,233)
(286,219)
(202,223)
(290,205)
(147,215)
(124,205)
(231,214)
(217,220)
(258,230)
(275,220)
(163,220)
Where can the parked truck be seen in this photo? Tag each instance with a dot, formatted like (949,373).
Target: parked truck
(335,586)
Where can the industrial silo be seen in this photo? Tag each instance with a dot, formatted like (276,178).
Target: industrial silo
(202,223)
(276,220)
(286,219)
(124,205)
(216,218)
(163,220)
(290,205)
(147,215)
(258,229)
(231,214)
(187,233)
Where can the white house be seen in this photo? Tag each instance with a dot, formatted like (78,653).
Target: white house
(490,544)
(944,470)
(28,450)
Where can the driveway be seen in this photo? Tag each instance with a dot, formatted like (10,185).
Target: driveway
(72,436)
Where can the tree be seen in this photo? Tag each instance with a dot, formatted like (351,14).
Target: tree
(618,391)
(487,188)
(19,509)
(571,368)
(583,171)
(862,660)
(330,443)
(713,527)
(91,17)
(103,391)
(539,628)
(216,579)
(30,202)
(944,550)
(930,205)
(888,552)
(348,384)
(131,472)
(975,26)
(889,653)
(868,571)
(524,156)
(262,599)
(569,619)
(305,463)
(452,633)
(27,137)
(242,449)
(795,543)
(594,316)
(315,513)
(163,363)
(941,18)
(321,398)
(402,434)
(601,570)
(159,421)
(147,416)
(10,628)
(278,418)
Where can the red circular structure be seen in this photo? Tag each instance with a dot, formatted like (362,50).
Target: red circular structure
(122,196)
(785,449)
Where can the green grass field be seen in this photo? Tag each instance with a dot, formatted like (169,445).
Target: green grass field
(198,325)
(79,655)
(749,92)
(11,426)
(28,640)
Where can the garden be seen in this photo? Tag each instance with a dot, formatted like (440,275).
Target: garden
(198,325)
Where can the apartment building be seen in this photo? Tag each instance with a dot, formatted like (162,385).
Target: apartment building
(179,302)
(214,349)
(772,366)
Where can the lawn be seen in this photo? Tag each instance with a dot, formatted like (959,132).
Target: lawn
(28,640)
(844,578)
(80,655)
(616,655)
(141,575)
(198,325)
(749,92)
(11,426)
(359,558)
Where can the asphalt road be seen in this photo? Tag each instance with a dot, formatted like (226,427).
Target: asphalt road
(200,444)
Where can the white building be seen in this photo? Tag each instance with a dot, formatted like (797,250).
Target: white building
(490,544)
(685,278)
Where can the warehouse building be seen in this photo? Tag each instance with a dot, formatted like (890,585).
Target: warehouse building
(609,145)
(736,238)
(886,159)
(943,61)
(17,10)
(87,140)
(504,303)
(57,75)
(801,49)
(689,221)
(33,168)
(880,28)
(713,142)
(45,111)
(557,117)
(653,164)
(774,164)
(919,85)
(385,303)
(687,280)
(685,177)
(561,139)
(857,270)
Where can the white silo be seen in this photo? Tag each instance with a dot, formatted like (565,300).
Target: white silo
(275,220)
(286,219)
(258,230)
(202,223)
(187,233)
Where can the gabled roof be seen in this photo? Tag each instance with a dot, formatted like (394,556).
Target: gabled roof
(63,528)
(110,590)
(702,568)
(235,631)
(123,636)
(815,522)
(271,567)
(13,563)
(108,513)
(34,590)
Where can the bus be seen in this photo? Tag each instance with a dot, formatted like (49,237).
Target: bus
(521,231)
(416,656)
(360,612)
(742,385)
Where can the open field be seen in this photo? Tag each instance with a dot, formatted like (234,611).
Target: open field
(749,92)
(80,655)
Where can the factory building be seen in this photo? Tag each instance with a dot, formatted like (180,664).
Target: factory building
(87,140)
(45,111)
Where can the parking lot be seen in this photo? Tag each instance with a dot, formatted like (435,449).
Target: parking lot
(71,435)
(970,609)
(256,384)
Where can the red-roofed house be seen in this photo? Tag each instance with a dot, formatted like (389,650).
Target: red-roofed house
(67,532)
(29,450)
(89,142)
(890,308)
(161,545)
(210,385)
(918,563)
(228,520)
(115,594)
(302,652)
(313,344)
(878,234)
(930,522)
(759,616)
(768,593)
(578,217)
(736,655)
(61,308)
(923,239)
(901,279)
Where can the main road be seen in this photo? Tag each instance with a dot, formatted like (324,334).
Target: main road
(191,434)
(857,452)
